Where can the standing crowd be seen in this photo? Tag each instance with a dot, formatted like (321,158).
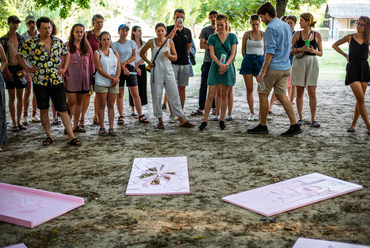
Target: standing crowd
(280,59)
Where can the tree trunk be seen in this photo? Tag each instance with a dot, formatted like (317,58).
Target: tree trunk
(280,7)
(193,27)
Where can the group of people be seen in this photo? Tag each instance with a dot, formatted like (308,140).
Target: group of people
(69,73)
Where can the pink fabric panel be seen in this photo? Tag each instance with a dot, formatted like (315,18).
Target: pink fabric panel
(159,176)
(315,243)
(31,207)
(291,194)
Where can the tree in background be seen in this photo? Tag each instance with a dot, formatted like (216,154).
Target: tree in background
(162,11)
(239,11)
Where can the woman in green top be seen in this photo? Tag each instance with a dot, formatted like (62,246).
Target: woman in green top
(221,77)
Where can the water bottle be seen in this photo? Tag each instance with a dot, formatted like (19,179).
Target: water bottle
(307,42)
(223,58)
(262,85)
(23,79)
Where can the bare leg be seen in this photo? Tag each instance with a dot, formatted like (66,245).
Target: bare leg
(182,90)
(312,100)
(78,108)
(136,99)
(72,97)
(45,121)
(356,114)
(299,101)
(119,101)
(34,104)
(359,92)
(218,101)
(248,80)
(211,95)
(26,99)
(67,124)
(288,107)
(292,93)
(224,97)
(264,102)
(102,100)
(230,103)
(11,105)
(110,103)
(273,99)
(19,93)
(85,106)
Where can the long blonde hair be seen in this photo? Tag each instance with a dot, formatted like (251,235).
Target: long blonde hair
(366,20)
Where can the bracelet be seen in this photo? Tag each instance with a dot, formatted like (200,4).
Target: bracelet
(296,49)
(112,78)
(6,72)
(64,69)
(174,31)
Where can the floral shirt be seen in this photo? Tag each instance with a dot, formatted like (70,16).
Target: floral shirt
(35,51)
(4,42)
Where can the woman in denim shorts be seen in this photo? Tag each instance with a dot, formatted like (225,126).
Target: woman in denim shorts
(252,51)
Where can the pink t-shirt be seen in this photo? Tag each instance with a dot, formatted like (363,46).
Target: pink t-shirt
(79,71)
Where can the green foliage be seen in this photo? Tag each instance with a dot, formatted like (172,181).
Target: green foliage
(239,11)
(65,6)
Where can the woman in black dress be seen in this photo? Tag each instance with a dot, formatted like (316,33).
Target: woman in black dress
(358,74)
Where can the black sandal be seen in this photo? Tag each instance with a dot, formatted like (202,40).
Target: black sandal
(75,142)
(102,132)
(143,119)
(112,132)
(48,141)
(120,120)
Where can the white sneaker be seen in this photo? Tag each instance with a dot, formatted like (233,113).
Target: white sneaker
(269,117)
(36,119)
(172,119)
(256,117)
(251,117)
(25,120)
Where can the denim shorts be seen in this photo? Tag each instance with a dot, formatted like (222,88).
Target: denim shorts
(251,64)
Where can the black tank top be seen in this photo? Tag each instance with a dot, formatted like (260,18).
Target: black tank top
(357,51)
(301,42)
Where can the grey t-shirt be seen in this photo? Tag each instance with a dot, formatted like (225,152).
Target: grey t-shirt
(206,32)
(125,50)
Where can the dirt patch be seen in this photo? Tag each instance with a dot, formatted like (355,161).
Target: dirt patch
(220,163)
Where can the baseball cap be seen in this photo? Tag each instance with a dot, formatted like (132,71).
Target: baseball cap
(30,18)
(13,19)
(123,26)
(213,12)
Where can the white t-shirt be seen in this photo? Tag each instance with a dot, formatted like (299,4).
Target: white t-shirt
(27,36)
(125,50)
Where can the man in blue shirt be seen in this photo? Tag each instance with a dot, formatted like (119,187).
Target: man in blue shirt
(275,70)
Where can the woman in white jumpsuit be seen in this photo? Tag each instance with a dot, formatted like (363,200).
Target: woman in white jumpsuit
(162,75)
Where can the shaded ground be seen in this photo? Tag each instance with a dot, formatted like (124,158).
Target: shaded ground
(220,163)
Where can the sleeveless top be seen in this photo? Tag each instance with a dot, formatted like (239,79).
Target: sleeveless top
(255,47)
(301,42)
(109,65)
(358,67)
(138,58)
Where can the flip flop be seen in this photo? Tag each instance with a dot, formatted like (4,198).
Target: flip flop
(315,124)
(120,120)
(79,129)
(351,129)
(15,129)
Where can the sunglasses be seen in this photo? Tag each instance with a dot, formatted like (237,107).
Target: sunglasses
(361,25)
